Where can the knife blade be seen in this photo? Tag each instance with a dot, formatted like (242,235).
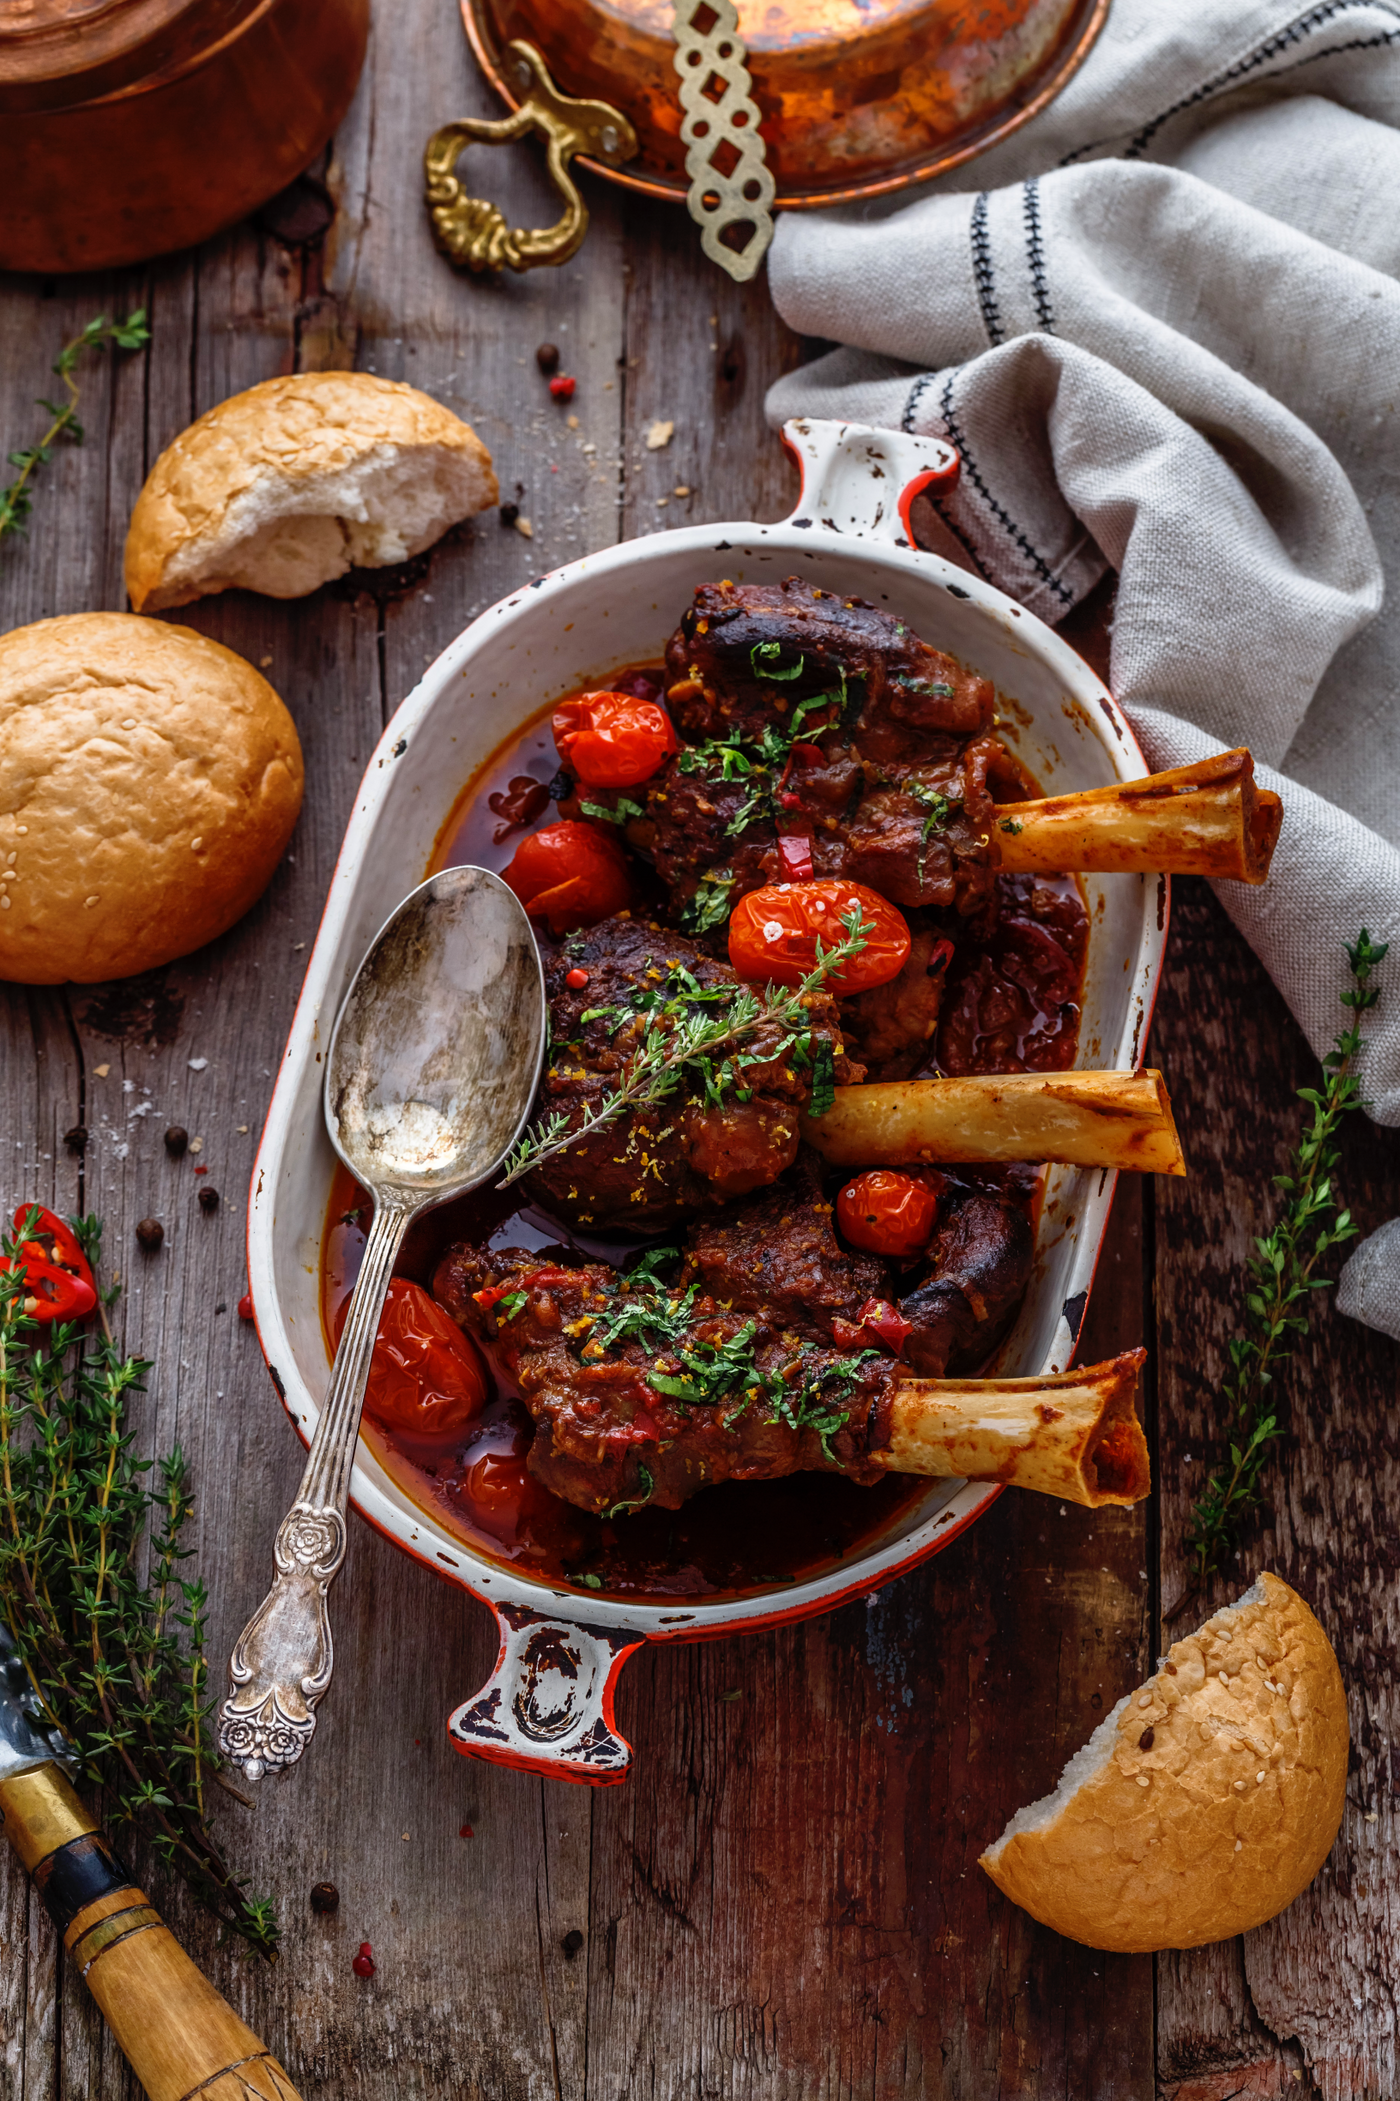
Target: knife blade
(179,2035)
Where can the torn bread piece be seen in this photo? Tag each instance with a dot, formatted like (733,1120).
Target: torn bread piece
(287,486)
(1205,1802)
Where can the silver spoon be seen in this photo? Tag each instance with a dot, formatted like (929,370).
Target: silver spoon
(432,1070)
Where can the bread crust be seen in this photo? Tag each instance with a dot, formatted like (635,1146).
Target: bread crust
(1223,1815)
(289,433)
(149,783)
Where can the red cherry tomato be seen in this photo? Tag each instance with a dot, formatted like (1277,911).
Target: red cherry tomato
(571,874)
(502,1493)
(773,934)
(424,1376)
(613,740)
(887,1213)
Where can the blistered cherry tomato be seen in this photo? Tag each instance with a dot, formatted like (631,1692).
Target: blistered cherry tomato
(613,740)
(424,1376)
(502,1493)
(773,934)
(571,874)
(887,1213)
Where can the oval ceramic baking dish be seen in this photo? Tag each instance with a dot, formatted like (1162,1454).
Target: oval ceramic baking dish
(548,1704)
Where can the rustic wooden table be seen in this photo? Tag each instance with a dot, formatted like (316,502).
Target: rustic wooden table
(784,1900)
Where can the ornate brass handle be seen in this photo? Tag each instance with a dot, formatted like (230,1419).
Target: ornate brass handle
(471,231)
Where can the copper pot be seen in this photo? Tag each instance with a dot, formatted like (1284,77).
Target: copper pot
(132,127)
(854,99)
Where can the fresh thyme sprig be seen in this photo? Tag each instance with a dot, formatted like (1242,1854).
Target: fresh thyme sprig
(16,501)
(704,1049)
(116,1660)
(1282,1276)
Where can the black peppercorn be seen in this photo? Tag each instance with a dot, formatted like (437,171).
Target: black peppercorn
(547,357)
(176,1139)
(571,1944)
(509,513)
(325,1896)
(208,1199)
(151,1233)
(76,1138)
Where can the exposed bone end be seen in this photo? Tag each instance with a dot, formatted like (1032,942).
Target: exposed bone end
(1073,1434)
(1207,819)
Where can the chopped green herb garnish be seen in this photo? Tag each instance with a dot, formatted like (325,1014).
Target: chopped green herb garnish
(620,815)
(634,1502)
(770,652)
(1009,824)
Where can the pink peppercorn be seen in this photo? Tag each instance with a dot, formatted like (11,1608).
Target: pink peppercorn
(363,1965)
(562,387)
(245,1306)
(576,980)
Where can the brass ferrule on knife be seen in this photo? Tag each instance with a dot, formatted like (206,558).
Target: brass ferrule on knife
(181,2037)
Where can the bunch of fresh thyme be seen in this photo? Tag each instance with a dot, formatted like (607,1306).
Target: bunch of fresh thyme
(16,501)
(693,1037)
(116,1659)
(1281,1279)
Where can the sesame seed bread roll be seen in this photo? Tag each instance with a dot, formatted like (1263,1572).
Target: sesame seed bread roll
(1206,1802)
(285,487)
(149,783)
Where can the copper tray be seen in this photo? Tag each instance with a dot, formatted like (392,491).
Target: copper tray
(859,97)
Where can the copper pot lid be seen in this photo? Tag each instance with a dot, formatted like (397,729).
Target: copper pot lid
(57,54)
(857,97)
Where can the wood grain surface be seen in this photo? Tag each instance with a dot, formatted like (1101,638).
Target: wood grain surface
(783,1902)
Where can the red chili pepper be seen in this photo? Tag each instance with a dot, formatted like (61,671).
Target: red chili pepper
(877,1321)
(576,979)
(788,800)
(245,1306)
(810,754)
(940,955)
(795,853)
(562,387)
(53,1266)
(495,1292)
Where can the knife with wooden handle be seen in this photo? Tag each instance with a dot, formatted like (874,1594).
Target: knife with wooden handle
(180,2036)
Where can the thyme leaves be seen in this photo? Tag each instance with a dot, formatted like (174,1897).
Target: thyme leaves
(16,501)
(1281,1276)
(117,1659)
(696,1039)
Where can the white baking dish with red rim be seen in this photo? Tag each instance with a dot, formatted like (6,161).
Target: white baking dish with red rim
(548,1704)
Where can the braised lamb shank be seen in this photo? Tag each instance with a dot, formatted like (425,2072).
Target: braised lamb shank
(759,1360)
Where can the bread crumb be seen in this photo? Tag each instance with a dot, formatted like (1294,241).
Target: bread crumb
(658,435)
(681,489)
(524,528)
(263,663)
(573,422)
(101,1071)
(242,1130)
(89,902)
(196,1064)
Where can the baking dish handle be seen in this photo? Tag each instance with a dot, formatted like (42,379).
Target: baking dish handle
(548,1705)
(860,481)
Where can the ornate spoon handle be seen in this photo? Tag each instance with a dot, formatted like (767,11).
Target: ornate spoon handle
(282,1661)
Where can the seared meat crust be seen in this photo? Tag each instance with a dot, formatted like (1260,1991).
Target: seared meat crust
(981,1257)
(605,1435)
(657,1163)
(779,1256)
(771,1274)
(887,777)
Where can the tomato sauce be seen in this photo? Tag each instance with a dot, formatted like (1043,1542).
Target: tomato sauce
(740,1537)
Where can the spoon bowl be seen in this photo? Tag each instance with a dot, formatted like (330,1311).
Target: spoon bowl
(437,1051)
(433,1066)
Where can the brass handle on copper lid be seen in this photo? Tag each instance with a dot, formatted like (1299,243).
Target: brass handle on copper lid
(471,231)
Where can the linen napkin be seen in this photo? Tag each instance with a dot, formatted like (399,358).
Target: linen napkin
(1161,325)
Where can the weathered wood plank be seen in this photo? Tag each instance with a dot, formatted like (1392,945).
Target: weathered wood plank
(1233,1057)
